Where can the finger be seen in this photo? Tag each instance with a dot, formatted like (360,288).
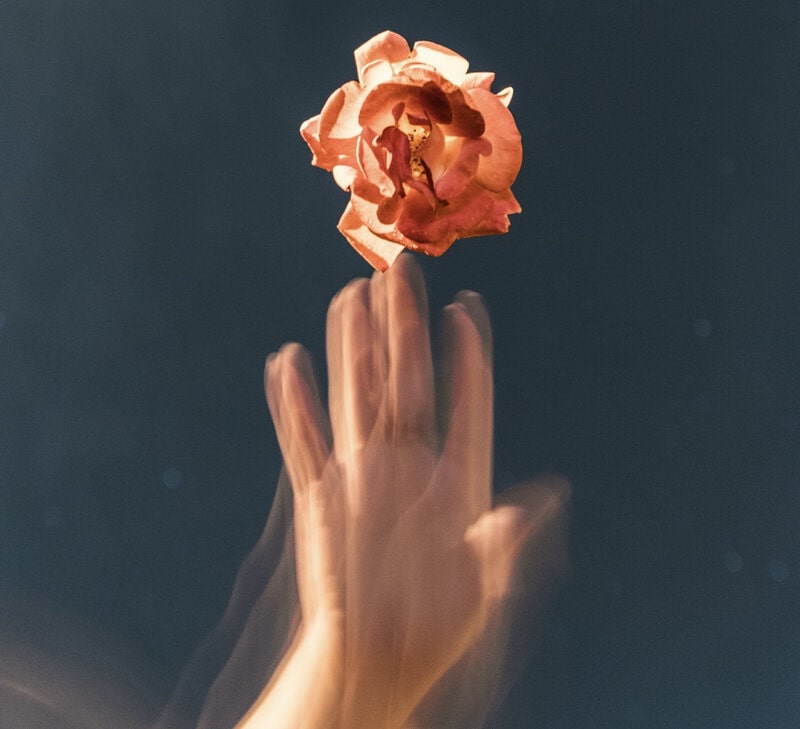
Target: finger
(300,421)
(475,307)
(380,326)
(353,389)
(498,536)
(410,404)
(304,438)
(467,393)
(325,540)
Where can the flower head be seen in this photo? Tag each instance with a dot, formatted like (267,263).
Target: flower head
(427,151)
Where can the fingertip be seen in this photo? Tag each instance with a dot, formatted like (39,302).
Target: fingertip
(463,336)
(272,369)
(348,327)
(542,498)
(291,355)
(406,276)
(355,288)
(269,366)
(353,365)
(297,359)
(377,302)
(300,421)
(497,537)
(475,307)
(356,293)
(410,374)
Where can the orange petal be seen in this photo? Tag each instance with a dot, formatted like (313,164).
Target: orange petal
(478,80)
(339,116)
(497,171)
(467,120)
(327,156)
(309,130)
(476,211)
(373,167)
(496,220)
(376,72)
(380,101)
(505,95)
(378,252)
(448,63)
(387,46)
(344,175)
(462,169)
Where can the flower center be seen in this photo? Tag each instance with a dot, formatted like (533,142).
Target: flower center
(417,136)
(405,142)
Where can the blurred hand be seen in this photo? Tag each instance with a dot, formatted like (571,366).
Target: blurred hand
(400,557)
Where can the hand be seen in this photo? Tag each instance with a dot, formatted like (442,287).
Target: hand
(400,558)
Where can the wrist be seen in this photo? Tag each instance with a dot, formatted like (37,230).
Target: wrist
(305,692)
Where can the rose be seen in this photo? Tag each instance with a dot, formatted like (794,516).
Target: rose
(426,150)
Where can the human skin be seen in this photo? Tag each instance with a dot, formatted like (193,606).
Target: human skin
(400,557)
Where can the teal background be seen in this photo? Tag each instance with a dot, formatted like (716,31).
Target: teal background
(162,231)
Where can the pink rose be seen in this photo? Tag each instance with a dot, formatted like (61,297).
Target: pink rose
(426,150)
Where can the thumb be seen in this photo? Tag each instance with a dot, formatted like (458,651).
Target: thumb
(498,536)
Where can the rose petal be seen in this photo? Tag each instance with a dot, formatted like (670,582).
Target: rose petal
(339,116)
(377,109)
(497,171)
(478,80)
(379,252)
(380,103)
(423,91)
(435,151)
(399,169)
(336,152)
(496,220)
(467,120)
(436,103)
(377,212)
(448,222)
(418,73)
(505,95)
(440,165)
(437,248)
(424,189)
(387,211)
(448,63)
(462,169)
(387,46)
(373,166)
(380,213)
(344,175)
(376,72)
(418,223)
(309,130)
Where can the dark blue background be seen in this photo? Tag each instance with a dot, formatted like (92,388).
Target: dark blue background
(161,231)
